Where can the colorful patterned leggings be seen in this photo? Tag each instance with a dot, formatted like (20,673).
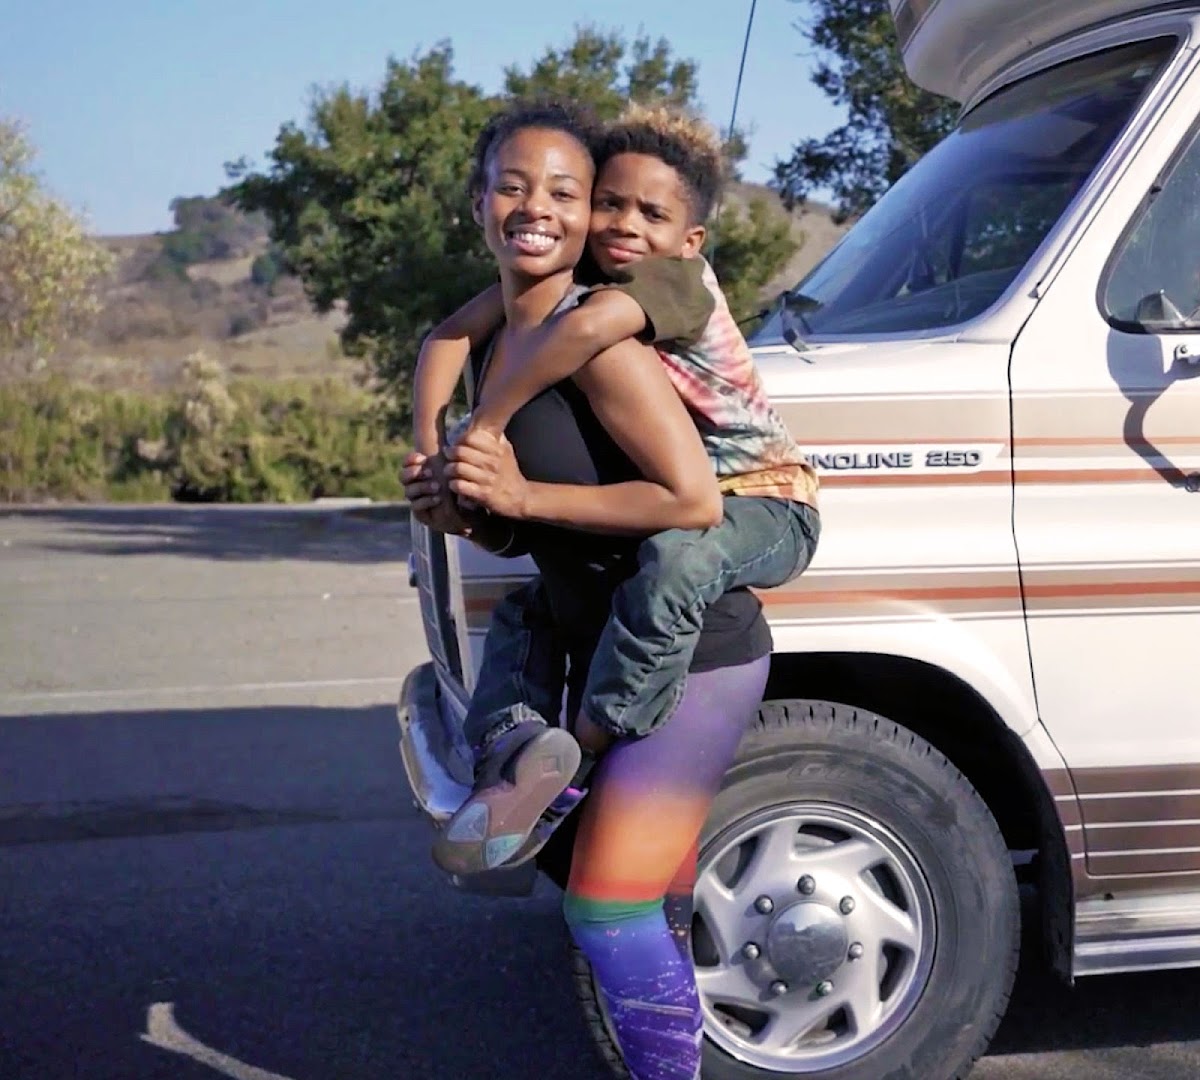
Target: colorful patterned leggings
(628,901)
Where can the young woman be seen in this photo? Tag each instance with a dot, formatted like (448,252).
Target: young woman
(593,466)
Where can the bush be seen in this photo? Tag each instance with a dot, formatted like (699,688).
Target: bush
(215,441)
(265,269)
(242,322)
(185,248)
(59,441)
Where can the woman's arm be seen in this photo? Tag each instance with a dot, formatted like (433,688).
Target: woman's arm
(635,401)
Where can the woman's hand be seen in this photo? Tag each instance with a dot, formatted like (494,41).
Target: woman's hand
(484,470)
(425,488)
(628,390)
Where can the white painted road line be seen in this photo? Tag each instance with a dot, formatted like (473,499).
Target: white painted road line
(162,1031)
(186,691)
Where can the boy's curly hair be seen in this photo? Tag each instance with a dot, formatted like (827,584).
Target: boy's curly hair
(688,144)
(544,113)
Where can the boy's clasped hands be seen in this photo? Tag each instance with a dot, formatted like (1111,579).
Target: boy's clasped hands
(451,490)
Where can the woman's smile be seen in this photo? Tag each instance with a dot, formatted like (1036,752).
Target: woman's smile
(531,241)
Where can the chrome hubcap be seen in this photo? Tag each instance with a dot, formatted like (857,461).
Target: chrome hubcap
(807,943)
(813,938)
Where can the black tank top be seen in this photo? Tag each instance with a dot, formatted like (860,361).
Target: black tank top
(557,439)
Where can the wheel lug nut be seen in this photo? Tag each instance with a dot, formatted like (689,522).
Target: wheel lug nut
(764,905)
(847,905)
(824,989)
(856,951)
(807,885)
(751,951)
(779,987)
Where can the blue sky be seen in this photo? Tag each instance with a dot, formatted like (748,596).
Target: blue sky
(132,102)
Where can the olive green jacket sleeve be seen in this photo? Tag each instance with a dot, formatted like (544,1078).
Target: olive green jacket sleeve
(673,295)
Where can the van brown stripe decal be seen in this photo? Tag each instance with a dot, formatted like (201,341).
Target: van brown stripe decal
(775,597)
(966,599)
(1102,842)
(1089,888)
(1025,442)
(1033,591)
(1137,778)
(900,479)
(1058,782)
(1101,440)
(1167,863)
(1068,813)
(1114,588)
(1101,811)
(1145,475)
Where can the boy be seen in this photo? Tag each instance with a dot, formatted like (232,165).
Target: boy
(658,177)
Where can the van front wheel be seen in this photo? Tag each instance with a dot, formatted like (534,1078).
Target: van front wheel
(856,908)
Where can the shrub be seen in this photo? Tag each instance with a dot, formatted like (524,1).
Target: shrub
(212,441)
(59,441)
(265,269)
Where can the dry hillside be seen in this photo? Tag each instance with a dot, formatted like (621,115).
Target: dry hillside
(155,315)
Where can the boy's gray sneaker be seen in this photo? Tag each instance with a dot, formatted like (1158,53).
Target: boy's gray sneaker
(520,777)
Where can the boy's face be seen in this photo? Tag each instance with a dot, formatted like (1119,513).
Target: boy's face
(640,208)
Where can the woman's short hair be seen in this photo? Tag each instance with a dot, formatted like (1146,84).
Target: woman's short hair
(688,144)
(545,114)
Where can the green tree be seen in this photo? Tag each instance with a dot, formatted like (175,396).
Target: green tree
(752,245)
(891,122)
(225,230)
(605,70)
(49,267)
(368,206)
(267,268)
(209,228)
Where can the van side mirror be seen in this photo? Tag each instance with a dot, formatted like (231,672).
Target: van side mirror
(793,308)
(1155,311)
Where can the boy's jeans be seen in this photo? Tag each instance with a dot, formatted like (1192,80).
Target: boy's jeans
(638,669)
(523,671)
(637,674)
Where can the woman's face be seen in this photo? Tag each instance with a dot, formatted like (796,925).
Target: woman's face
(537,203)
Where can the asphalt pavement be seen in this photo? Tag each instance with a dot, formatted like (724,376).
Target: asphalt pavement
(208,861)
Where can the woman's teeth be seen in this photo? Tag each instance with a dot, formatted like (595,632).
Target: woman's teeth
(538,241)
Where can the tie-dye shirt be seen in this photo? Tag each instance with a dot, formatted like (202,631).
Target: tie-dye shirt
(712,369)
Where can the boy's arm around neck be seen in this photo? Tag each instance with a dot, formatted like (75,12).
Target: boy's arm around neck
(444,354)
(658,300)
(554,351)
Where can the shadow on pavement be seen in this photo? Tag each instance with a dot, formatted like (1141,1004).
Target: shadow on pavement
(257,876)
(1103,1011)
(70,777)
(359,534)
(313,953)
(256,882)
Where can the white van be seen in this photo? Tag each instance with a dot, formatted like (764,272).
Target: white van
(984,681)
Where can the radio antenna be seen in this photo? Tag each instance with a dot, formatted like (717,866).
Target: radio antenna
(737,93)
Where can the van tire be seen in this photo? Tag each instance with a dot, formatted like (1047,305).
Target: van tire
(816,753)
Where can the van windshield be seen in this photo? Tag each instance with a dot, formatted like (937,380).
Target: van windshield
(947,240)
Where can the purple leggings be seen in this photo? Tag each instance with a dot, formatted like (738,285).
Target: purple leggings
(634,864)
